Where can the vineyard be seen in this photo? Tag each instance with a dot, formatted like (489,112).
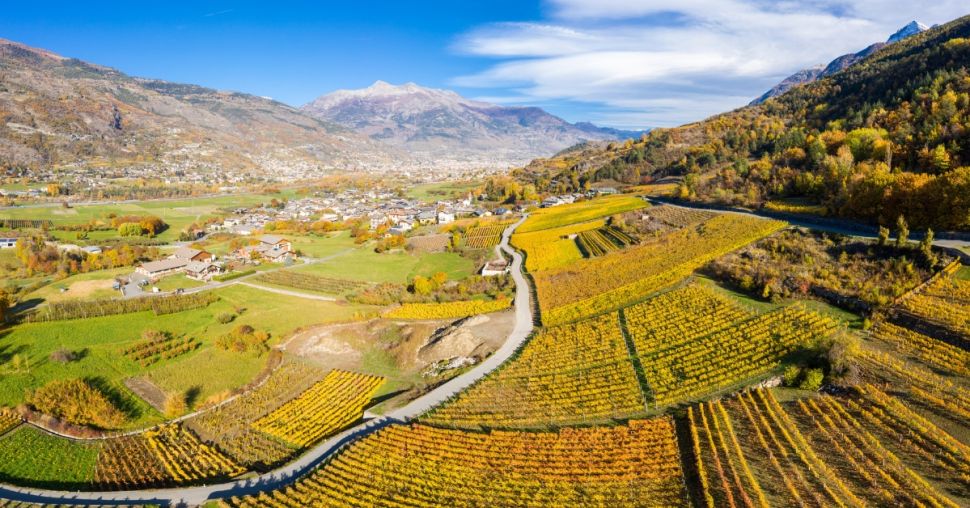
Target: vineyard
(229,426)
(484,237)
(552,248)
(677,217)
(582,211)
(629,465)
(31,456)
(574,373)
(598,285)
(824,451)
(933,352)
(25,223)
(159,305)
(310,282)
(162,347)
(186,458)
(448,310)
(327,407)
(945,302)
(602,241)
(683,366)
(130,462)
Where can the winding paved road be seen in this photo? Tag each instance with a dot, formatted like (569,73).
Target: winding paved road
(192,496)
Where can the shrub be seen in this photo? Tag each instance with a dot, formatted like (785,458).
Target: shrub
(63,356)
(791,375)
(225,317)
(812,380)
(175,405)
(76,401)
(243,339)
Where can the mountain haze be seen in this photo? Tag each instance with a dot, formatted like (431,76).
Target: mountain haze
(442,125)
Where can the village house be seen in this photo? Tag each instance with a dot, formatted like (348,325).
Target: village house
(190,254)
(445,217)
(201,270)
(8,243)
(272,248)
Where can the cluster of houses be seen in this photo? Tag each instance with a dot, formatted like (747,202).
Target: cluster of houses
(565,199)
(377,207)
(201,265)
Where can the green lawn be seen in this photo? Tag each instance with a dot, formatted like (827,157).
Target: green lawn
(28,455)
(322,246)
(366,265)
(963,273)
(441,190)
(100,342)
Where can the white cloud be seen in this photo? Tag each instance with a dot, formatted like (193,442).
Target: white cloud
(639,63)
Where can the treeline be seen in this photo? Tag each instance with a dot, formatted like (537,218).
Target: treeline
(82,309)
(39,256)
(889,136)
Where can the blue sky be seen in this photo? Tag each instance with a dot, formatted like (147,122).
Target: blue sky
(625,63)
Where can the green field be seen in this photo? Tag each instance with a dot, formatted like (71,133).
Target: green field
(440,190)
(89,285)
(366,265)
(100,341)
(323,246)
(176,213)
(53,462)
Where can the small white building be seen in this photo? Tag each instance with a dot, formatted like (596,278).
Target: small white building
(8,243)
(445,217)
(496,267)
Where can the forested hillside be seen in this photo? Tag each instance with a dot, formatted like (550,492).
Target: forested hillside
(886,137)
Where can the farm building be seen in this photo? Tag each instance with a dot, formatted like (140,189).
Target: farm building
(155,269)
(8,243)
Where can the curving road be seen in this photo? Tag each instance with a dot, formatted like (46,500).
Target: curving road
(192,496)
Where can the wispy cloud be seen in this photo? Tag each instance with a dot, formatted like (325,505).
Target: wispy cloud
(645,63)
(218,13)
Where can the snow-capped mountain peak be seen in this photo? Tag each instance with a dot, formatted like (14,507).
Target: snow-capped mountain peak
(913,28)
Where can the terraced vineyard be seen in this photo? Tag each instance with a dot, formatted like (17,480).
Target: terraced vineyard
(933,352)
(597,285)
(448,310)
(570,374)
(582,211)
(186,458)
(485,236)
(8,420)
(229,426)
(636,464)
(552,248)
(693,342)
(326,408)
(824,451)
(945,302)
(602,241)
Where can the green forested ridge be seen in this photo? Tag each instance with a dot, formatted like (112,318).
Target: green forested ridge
(889,136)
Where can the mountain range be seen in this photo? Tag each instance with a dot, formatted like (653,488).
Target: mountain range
(839,64)
(57,111)
(433,124)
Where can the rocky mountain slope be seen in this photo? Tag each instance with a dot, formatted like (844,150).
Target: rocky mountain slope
(442,125)
(57,111)
(839,64)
